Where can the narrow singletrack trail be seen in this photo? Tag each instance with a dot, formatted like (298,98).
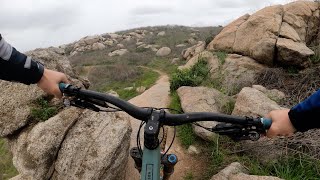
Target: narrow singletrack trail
(158,96)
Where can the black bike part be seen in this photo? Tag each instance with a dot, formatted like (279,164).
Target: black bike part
(168,161)
(180,119)
(136,156)
(152,129)
(134,111)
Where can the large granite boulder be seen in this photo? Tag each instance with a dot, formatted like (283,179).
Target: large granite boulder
(234,72)
(193,50)
(67,145)
(273,33)
(203,99)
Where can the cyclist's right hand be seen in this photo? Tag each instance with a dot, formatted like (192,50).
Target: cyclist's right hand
(281,124)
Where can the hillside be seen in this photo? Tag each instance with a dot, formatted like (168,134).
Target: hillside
(258,63)
(140,47)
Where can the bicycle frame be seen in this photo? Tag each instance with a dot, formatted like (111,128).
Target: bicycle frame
(155,118)
(151,164)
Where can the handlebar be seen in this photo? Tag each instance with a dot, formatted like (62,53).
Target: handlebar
(144,114)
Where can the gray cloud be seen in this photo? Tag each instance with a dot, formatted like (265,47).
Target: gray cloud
(54,18)
(150,10)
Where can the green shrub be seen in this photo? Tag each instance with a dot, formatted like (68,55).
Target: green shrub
(190,77)
(221,56)
(316,57)
(43,110)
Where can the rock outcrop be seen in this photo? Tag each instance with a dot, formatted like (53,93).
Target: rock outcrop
(164,51)
(74,144)
(203,99)
(273,34)
(193,50)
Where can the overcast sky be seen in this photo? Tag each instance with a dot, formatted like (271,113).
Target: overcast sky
(29,24)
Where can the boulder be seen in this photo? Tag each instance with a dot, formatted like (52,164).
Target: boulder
(193,50)
(273,33)
(164,51)
(141,89)
(205,55)
(139,43)
(121,46)
(96,148)
(16,112)
(175,61)
(293,53)
(67,145)
(252,102)
(114,35)
(203,99)
(119,52)
(193,150)
(235,171)
(162,33)
(180,45)
(225,39)
(98,46)
(89,40)
(108,42)
(273,94)
(36,148)
(235,72)
(192,41)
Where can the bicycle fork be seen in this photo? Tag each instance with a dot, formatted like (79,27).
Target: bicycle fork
(168,161)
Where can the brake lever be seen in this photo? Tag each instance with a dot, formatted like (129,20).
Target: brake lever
(80,103)
(237,132)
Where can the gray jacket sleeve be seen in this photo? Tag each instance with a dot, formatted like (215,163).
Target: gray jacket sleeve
(15,66)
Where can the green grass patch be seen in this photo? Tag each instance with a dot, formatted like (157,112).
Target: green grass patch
(7,170)
(287,167)
(194,76)
(184,132)
(162,64)
(188,176)
(315,59)
(145,78)
(43,110)
(221,56)
(175,103)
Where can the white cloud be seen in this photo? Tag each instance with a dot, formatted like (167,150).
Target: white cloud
(28,24)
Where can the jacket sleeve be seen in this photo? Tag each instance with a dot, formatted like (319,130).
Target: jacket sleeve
(305,115)
(15,66)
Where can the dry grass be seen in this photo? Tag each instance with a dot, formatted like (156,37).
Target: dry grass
(297,87)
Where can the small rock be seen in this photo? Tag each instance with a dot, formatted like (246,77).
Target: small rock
(108,42)
(119,52)
(164,51)
(192,41)
(175,61)
(120,46)
(114,36)
(193,150)
(98,46)
(180,45)
(113,93)
(162,33)
(139,43)
(141,89)
(128,88)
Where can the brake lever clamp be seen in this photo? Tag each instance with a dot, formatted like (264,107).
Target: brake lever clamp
(237,132)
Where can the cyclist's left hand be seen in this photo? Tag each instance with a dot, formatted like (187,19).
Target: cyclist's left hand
(50,80)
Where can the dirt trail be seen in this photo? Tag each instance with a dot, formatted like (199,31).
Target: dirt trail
(158,96)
